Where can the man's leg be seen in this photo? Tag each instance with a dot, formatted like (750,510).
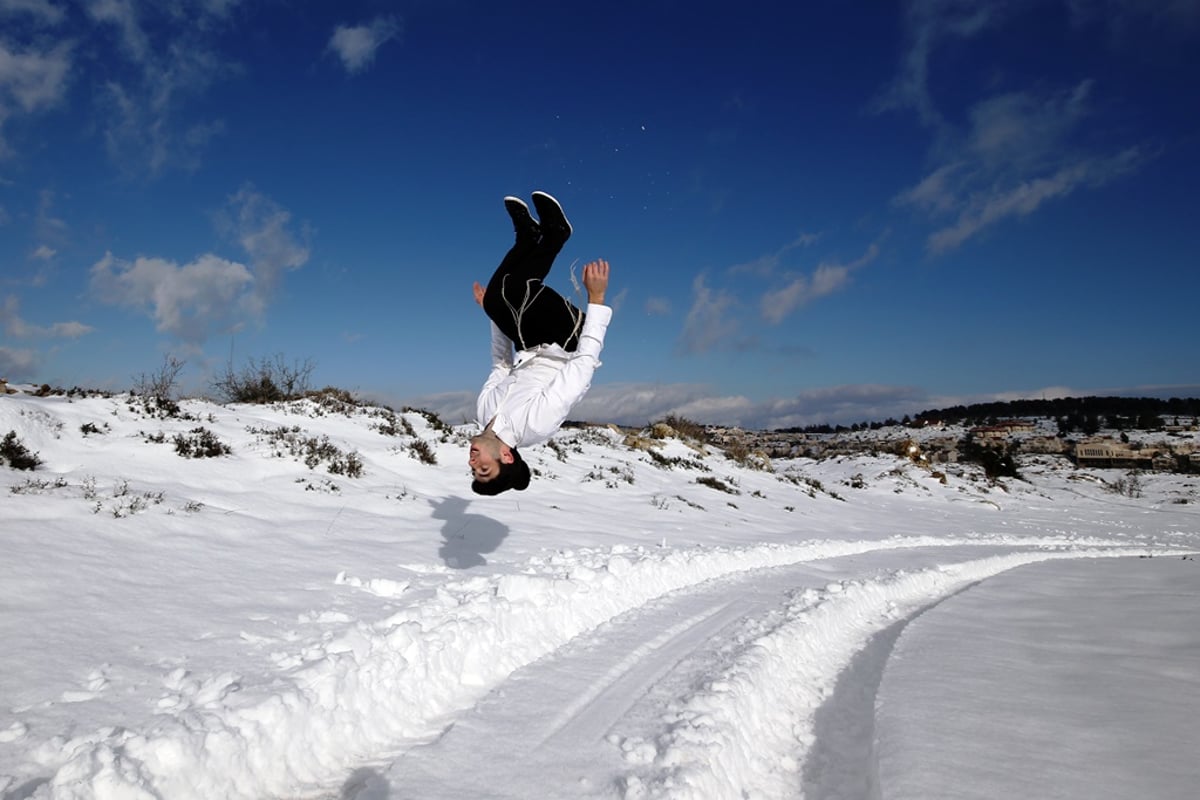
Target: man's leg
(526,310)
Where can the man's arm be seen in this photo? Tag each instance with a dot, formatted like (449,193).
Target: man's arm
(502,346)
(591,338)
(595,280)
(575,378)
(502,362)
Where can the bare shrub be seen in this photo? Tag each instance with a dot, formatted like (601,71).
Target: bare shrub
(1129,486)
(38,486)
(687,428)
(265,380)
(161,383)
(718,484)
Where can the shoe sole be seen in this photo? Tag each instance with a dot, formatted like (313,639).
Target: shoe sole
(556,211)
(523,222)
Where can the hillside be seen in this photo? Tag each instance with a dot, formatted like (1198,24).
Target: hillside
(303,599)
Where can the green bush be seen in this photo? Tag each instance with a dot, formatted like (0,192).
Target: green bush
(998,461)
(201,443)
(17,454)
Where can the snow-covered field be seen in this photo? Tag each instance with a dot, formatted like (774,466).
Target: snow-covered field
(634,626)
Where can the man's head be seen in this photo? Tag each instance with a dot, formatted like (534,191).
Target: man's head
(496,466)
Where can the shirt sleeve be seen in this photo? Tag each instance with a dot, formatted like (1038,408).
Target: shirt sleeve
(502,348)
(575,378)
(502,362)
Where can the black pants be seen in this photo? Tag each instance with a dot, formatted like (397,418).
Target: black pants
(523,307)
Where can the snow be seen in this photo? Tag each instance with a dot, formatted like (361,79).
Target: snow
(1062,643)
(250,626)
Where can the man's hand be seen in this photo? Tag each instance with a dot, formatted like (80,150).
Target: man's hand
(595,280)
(479,291)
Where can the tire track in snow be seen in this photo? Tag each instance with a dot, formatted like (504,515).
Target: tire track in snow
(678,637)
(749,730)
(549,724)
(572,724)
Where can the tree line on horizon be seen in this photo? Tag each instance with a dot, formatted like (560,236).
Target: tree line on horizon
(1083,414)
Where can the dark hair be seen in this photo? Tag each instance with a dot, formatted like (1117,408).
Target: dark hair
(508,476)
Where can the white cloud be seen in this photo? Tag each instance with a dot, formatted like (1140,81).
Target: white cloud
(638,404)
(928,23)
(190,301)
(825,280)
(42,11)
(18,328)
(1005,199)
(658,306)
(356,45)
(212,294)
(123,15)
(1128,21)
(153,57)
(1024,128)
(708,323)
(1017,149)
(260,226)
(1016,154)
(767,265)
(31,81)
(219,8)
(17,365)
(44,253)
(937,192)
(144,108)
(47,226)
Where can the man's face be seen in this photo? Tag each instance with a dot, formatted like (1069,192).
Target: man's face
(486,456)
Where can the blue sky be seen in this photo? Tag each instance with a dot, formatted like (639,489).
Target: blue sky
(814,212)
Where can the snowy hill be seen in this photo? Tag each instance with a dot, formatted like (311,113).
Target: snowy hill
(305,600)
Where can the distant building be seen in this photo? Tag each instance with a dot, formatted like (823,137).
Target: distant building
(1003,429)
(1107,453)
(1045,445)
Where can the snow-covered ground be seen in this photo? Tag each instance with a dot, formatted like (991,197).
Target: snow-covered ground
(635,625)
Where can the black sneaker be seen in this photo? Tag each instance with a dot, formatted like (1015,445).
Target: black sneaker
(554,223)
(526,227)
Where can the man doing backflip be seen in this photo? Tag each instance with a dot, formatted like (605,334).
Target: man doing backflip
(526,399)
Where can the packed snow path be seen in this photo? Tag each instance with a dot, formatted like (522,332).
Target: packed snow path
(658,703)
(1104,714)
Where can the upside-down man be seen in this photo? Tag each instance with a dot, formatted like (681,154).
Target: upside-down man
(526,399)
